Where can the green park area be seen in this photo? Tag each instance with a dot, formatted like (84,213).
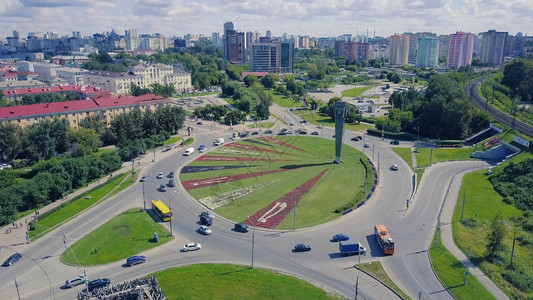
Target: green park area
(125,235)
(317,118)
(282,167)
(51,219)
(355,91)
(284,101)
(376,270)
(427,156)
(211,281)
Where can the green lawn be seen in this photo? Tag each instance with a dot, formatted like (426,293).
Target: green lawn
(317,118)
(405,154)
(222,281)
(376,269)
(188,141)
(49,220)
(284,101)
(279,119)
(419,173)
(301,167)
(262,125)
(451,273)
(442,154)
(482,203)
(355,91)
(171,140)
(127,234)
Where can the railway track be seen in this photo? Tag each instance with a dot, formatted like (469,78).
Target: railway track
(472,91)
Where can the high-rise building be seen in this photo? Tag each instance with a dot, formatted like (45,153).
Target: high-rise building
(76,34)
(228,26)
(235,43)
(304,42)
(132,41)
(215,39)
(249,40)
(399,50)
(515,45)
(492,47)
(352,51)
(16,34)
(268,34)
(275,57)
(427,52)
(444,45)
(460,50)
(413,43)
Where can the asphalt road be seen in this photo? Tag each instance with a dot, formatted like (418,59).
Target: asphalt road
(40,274)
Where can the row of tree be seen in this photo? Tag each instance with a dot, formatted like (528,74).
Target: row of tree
(38,98)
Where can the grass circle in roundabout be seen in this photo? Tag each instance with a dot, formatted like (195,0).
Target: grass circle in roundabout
(260,181)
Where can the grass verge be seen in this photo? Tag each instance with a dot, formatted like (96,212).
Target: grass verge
(285,101)
(279,119)
(405,154)
(262,125)
(211,281)
(317,118)
(127,234)
(171,140)
(451,273)
(51,219)
(376,269)
(426,156)
(355,91)
(188,141)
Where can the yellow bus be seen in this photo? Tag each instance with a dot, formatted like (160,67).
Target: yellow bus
(161,210)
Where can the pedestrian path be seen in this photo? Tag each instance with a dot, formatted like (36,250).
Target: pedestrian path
(413,157)
(447,238)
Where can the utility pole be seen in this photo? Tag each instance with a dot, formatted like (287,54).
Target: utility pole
(463,210)
(86,280)
(430,156)
(171,214)
(514,240)
(294,216)
(17,287)
(144,198)
(373,151)
(253,245)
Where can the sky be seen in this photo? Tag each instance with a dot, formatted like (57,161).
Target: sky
(315,18)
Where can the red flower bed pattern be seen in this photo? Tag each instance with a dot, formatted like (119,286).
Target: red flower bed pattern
(241,146)
(235,158)
(272,215)
(199,183)
(276,141)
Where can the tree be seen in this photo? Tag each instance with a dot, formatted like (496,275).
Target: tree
(234,72)
(10,140)
(262,111)
(250,80)
(495,237)
(269,80)
(280,89)
(83,142)
(234,117)
(230,88)
(136,90)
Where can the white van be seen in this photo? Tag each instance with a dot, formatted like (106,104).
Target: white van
(218,142)
(189,151)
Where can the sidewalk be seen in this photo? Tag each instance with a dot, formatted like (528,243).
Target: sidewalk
(14,237)
(447,237)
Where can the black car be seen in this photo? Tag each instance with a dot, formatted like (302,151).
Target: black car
(302,132)
(302,248)
(205,220)
(255,133)
(355,139)
(240,227)
(199,123)
(395,142)
(12,259)
(170,175)
(314,133)
(282,133)
(98,283)
(171,183)
(268,132)
(244,134)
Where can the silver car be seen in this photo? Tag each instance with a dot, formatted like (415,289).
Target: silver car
(75,281)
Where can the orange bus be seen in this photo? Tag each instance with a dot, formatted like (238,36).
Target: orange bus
(384,240)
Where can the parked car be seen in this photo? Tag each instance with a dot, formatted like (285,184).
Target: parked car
(135,260)
(143,179)
(315,133)
(202,148)
(268,131)
(340,237)
(394,167)
(162,188)
(395,142)
(98,283)
(205,220)
(170,175)
(12,259)
(204,230)
(359,137)
(191,247)
(208,214)
(160,175)
(244,134)
(241,227)
(302,248)
(172,183)
(75,281)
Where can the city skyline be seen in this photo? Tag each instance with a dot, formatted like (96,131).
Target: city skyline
(313,18)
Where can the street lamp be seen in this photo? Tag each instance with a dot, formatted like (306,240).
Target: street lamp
(253,242)
(171,215)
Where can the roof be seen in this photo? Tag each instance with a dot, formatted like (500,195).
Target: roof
(258,74)
(53,89)
(10,74)
(77,105)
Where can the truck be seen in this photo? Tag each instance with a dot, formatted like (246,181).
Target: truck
(350,247)
(218,142)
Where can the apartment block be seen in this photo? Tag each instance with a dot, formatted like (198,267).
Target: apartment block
(427,52)
(399,50)
(493,47)
(460,50)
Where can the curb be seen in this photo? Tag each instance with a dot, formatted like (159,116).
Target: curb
(378,280)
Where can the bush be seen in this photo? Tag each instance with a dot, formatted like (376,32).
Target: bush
(392,135)
(525,240)
(469,222)
(520,279)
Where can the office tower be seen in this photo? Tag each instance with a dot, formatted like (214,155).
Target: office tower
(16,34)
(76,34)
(249,40)
(215,39)
(399,50)
(228,26)
(275,57)
(285,36)
(427,52)
(492,47)
(268,34)
(287,56)
(460,50)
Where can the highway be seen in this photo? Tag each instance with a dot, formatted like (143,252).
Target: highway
(41,275)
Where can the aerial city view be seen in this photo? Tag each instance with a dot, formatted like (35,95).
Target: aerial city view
(288,149)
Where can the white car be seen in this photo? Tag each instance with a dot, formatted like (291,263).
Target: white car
(204,230)
(160,175)
(394,167)
(191,247)
(75,281)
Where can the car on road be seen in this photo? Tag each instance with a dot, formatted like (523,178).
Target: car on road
(143,179)
(282,133)
(98,283)
(202,148)
(268,131)
(289,132)
(302,132)
(12,259)
(170,175)
(394,167)
(75,281)
(160,175)
(241,227)
(162,188)
(291,123)
(204,230)
(319,127)
(199,123)
(340,237)
(366,145)
(244,134)
(395,142)
(355,139)
(315,133)
(172,183)
(359,137)
(283,129)
(192,247)
(205,220)
(208,214)
(135,260)
(302,248)
(255,133)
